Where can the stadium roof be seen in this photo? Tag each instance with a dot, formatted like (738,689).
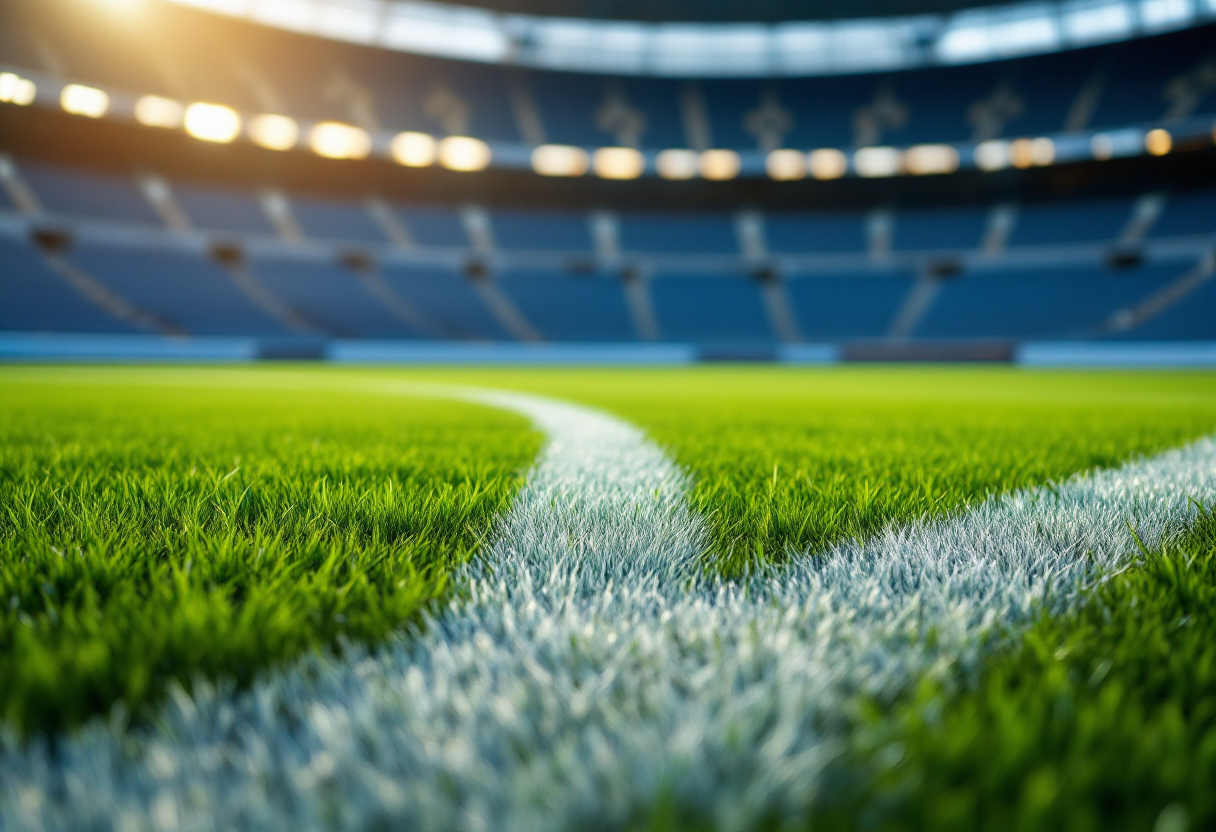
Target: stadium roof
(727,11)
(755,49)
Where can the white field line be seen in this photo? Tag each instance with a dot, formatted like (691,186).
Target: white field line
(592,670)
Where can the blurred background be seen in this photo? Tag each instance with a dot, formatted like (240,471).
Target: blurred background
(608,180)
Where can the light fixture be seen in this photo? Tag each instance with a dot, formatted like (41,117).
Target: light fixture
(464,153)
(720,165)
(929,159)
(827,163)
(618,163)
(560,160)
(17,90)
(873,162)
(1043,150)
(155,111)
(1158,142)
(786,165)
(1027,153)
(274,132)
(677,163)
(1102,146)
(992,155)
(212,122)
(335,140)
(414,150)
(80,100)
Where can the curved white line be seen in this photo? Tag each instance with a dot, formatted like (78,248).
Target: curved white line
(592,670)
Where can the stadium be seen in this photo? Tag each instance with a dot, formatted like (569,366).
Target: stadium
(602,414)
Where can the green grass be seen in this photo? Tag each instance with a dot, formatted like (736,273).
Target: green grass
(162,525)
(1104,720)
(152,530)
(793,460)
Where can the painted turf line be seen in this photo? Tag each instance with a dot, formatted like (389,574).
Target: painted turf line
(593,670)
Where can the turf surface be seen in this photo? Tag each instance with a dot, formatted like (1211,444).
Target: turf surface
(1102,720)
(190,561)
(154,530)
(789,461)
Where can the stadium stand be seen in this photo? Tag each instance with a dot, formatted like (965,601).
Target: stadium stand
(157,238)
(710,310)
(1055,296)
(331,297)
(846,307)
(840,232)
(178,286)
(565,308)
(447,298)
(539,230)
(1039,302)
(78,193)
(36,299)
(217,209)
(336,221)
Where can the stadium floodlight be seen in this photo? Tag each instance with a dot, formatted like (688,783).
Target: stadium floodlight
(560,160)
(274,132)
(414,150)
(212,122)
(678,163)
(80,100)
(992,155)
(155,111)
(1027,153)
(827,163)
(17,90)
(720,165)
(875,162)
(464,153)
(786,165)
(335,140)
(618,163)
(1102,146)
(1044,150)
(928,159)
(1158,142)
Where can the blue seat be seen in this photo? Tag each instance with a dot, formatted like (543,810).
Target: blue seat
(182,287)
(446,297)
(843,307)
(325,219)
(1037,302)
(330,296)
(567,103)
(1086,221)
(1191,318)
(815,233)
(710,310)
(1185,214)
(566,308)
(35,299)
(674,233)
(1139,72)
(87,194)
(542,230)
(222,209)
(930,230)
(433,226)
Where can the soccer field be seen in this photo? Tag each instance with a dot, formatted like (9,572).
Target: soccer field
(722,598)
